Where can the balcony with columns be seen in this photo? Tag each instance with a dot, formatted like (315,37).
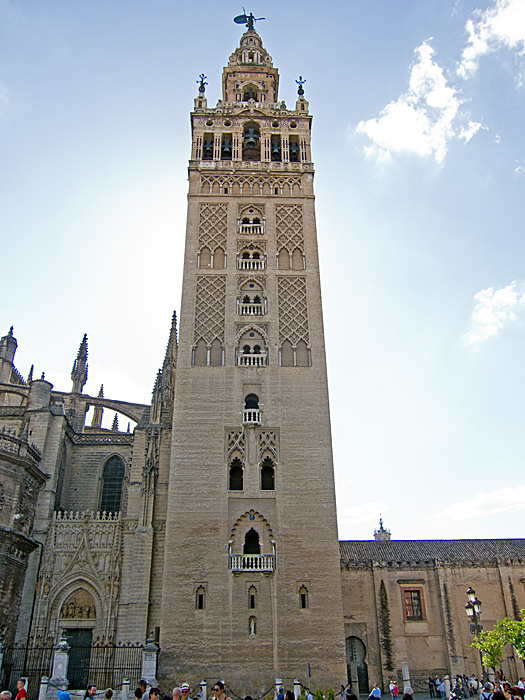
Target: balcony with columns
(251,416)
(251,308)
(251,263)
(252,562)
(252,360)
(251,229)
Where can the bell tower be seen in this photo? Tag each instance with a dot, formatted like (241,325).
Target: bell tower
(251,581)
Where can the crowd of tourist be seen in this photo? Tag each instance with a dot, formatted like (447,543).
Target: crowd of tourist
(461,687)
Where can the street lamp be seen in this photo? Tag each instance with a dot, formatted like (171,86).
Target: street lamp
(473,610)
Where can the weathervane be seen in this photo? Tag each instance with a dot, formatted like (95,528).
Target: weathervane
(300,82)
(202,83)
(248,20)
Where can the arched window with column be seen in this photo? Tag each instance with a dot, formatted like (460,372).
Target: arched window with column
(112,481)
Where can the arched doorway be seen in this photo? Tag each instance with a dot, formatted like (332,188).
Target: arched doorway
(77,619)
(356,664)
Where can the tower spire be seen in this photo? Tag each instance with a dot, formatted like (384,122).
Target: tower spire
(79,373)
(167,383)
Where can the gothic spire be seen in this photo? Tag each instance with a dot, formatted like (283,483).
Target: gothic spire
(96,421)
(79,373)
(170,364)
(156,399)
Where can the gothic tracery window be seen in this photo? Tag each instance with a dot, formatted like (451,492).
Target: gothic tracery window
(112,480)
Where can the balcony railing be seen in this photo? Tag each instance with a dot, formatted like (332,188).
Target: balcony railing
(252,360)
(251,416)
(251,229)
(252,309)
(247,264)
(252,562)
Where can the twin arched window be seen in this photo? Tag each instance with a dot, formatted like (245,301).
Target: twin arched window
(112,478)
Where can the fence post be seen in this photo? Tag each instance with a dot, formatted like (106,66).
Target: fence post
(406,677)
(2,652)
(125,689)
(42,693)
(204,688)
(149,662)
(278,683)
(297,688)
(60,661)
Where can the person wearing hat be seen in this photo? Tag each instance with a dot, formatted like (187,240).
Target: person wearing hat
(185,690)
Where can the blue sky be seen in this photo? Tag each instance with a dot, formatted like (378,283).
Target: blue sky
(419,150)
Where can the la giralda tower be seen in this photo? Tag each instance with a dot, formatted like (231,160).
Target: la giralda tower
(252,585)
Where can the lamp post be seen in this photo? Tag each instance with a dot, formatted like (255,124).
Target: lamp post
(473,610)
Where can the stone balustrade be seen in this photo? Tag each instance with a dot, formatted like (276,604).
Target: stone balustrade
(252,562)
(252,416)
(252,309)
(251,229)
(247,264)
(252,360)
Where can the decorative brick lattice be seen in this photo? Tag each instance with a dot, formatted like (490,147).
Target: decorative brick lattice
(210,308)
(213,224)
(293,312)
(268,443)
(250,184)
(236,443)
(289,225)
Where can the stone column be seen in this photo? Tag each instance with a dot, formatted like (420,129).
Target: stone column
(60,662)
(44,683)
(149,662)
(124,694)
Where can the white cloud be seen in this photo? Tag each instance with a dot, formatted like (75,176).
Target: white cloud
(424,119)
(494,308)
(502,25)
(510,499)
(368,512)
(520,168)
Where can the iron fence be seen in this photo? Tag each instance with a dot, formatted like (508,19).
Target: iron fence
(105,665)
(31,662)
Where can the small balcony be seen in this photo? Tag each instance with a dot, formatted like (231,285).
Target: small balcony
(251,416)
(252,360)
(249,264)
(252,562)
(252,309)
(251,229)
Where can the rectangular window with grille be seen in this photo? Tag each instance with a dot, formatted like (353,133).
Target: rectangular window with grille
(413,604)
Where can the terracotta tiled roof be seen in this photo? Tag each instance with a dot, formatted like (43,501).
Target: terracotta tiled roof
(425,550)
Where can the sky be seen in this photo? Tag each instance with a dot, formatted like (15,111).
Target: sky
(419,149)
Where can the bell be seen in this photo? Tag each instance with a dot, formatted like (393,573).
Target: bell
(207,148)
(226,147)
(276,148)
(294,148)
(250,141)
